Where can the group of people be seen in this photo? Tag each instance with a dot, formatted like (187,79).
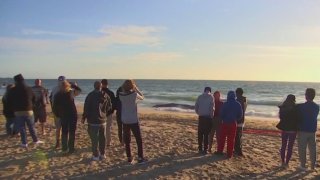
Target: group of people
(23,105)
(301,120)
(223,119)
(226,120)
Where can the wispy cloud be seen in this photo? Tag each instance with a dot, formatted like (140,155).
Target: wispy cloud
(158,56)
(45,32)
(121,35)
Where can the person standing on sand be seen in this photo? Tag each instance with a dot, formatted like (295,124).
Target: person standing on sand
(129,117)
(57,121)
(231,112)
(240,124)
(39,106)
(204,108)
(106,90)
(118,116)
(288,124)
(96,107)
(65,109)
(216,120)
(307,129)
(8,112)
(21,100)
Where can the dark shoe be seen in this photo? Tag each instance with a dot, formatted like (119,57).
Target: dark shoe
(57,145)
(218,153)
(142,160)
(71,151)
(130,160)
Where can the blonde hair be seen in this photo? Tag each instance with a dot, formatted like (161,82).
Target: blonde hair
(65,86)
(128,85)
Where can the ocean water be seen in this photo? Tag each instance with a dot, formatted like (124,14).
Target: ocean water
(263,97)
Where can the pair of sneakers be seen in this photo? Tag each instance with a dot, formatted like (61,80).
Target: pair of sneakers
(140,160)
(98,158)
(36,143)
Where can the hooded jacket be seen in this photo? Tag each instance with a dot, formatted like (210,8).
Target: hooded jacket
(289,118)
(96,107)
(231,110)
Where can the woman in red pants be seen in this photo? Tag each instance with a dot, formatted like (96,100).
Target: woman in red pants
(231,112)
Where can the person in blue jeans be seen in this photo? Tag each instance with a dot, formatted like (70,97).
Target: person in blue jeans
(289,117)
(96,107)
(21,99)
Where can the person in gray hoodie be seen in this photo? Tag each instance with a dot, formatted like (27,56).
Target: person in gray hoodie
(97,105)
(204,107)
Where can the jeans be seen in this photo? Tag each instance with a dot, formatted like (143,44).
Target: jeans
(288,139)
(215,130)
(20,123)
(97,135)
(108,129)
(238,141)
(135,128)
(119,123)
(69,126)
(10,129)
(228,130)
(204,128)
(307,139)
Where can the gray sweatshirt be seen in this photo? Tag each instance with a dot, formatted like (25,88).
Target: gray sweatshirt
(205,105)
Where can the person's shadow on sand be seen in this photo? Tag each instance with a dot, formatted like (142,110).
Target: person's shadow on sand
(154,168)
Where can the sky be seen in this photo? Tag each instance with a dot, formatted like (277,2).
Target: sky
(254,40)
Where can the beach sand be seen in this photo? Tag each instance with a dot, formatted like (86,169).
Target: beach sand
(170,145)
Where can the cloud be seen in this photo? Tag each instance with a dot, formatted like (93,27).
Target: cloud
(45,32)
(121,35)
(109,35)
(158,56)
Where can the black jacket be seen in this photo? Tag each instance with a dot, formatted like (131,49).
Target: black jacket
(289,118)
(63,105)
(96,107)
(7,109)
(21,98)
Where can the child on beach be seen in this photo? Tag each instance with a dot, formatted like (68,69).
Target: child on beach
(129,118)
(288,124)
(204,107)
(8,112)
(216,120)
(231,112)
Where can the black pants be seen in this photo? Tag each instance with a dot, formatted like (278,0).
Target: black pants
(68,126)
(135,128)
(119,123)
(238,141)
(204,128)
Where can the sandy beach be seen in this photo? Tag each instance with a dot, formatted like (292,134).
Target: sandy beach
(170,145)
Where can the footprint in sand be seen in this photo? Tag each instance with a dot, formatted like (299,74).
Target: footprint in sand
(9,171)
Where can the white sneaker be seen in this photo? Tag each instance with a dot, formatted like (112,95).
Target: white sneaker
(302,168)
(95,158)
(102,157)
(39,142)
(24,145)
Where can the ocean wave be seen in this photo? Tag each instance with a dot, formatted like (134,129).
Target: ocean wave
(265,103)
(173,98)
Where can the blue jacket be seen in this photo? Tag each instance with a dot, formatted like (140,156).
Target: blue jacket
(309,112)
(231,110)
